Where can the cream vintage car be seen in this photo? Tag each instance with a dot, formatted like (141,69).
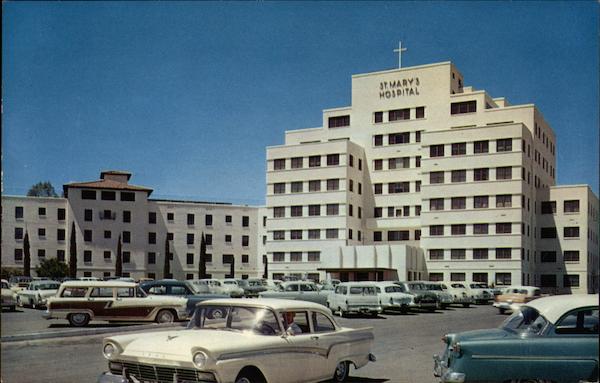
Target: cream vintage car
(82,301)
(9,298)
(37,293)
(249,344)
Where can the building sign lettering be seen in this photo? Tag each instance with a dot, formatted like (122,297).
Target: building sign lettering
(398,88)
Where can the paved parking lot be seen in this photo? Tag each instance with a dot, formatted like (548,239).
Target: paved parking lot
(404,345)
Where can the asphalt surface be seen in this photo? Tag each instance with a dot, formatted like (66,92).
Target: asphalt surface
(404,345)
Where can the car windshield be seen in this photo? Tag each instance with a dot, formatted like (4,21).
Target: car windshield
(363,290)
(435,287)
(417,286)
(235,318)
(5,285)
(527,321)
(48,286)
(393,289)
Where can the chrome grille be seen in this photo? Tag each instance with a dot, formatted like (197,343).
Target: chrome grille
(160,374)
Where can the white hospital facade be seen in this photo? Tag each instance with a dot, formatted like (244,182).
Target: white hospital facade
(420,178)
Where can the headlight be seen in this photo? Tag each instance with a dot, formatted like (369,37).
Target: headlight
(200,359)
(109,350)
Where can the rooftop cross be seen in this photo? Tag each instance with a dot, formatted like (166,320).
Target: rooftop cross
(400,50)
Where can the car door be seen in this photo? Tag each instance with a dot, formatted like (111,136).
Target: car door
(127,305)
(305,356)
(100,301)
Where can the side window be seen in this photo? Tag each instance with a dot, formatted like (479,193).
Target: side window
(321,323)
(74,292)
(157,290)
(125,292)
(291,288)
(102,292)
(338,290)
(306,288)
(301,319)
(178,290)
(579,322)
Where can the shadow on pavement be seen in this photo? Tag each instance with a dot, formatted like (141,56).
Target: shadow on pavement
(93,325)
(365,380)
(398,313)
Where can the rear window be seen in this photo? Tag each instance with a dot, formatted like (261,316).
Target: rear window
(362,290)
(125,292)
(74,292)
(393,289)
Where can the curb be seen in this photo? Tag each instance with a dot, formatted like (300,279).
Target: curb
(88,332)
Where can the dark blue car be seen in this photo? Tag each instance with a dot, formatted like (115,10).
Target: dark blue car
(180,289)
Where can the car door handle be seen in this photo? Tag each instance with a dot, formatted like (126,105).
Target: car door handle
(314,337)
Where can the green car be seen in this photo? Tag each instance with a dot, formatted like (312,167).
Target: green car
(553,339)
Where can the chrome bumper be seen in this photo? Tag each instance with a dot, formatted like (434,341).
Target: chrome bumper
(446,375)
(364,309)
(107,377)
(46,315)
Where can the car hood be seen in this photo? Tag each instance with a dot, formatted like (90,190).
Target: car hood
(482,335)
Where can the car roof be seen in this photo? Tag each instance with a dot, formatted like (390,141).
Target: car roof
(554,307)
(363,283)
(164,282)
(273,303)
(114,283)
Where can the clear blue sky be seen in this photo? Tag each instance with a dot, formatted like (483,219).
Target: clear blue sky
(187,95)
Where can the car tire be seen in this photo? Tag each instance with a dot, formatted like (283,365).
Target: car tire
(165,316)
(12,308)
(341,372)
(466,305)
(502,311)
(79,319)
(250,375)
(19,302)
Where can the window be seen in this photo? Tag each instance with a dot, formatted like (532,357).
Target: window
(245,258)
(480,228)
(377,212)
(418,210)
(42,211)
(278,235)
(19,212)
(87,256)
(503,279)
(481,147)
(88,194)
(279,211)
(504,145)
(87,235)
(459,148)
(61,214)
(41,232)
(278,257)
(107,234)
(418,161)
(351,185)
(279,188)
(378,118)
(503,253)
(436,204)
(331,233)
(480,253)
(359,164)
(398,187)
(152,217)
(548,232)
(87,215)
(208,259)
(463,107)
(377,236)
(436,230)
(458,229)
(314,256)
(228,238)
(436,177)
(108,195)
(548,280)
(189,258)
(190,238)
(339,121)
(571,256)
(571,206)
(314,234)
(418,136)
(295,256)
(457,254)
(459,176)
(18,233)
(18,255)
(208,220)
(503,200)
(279,164)
(571,232)
(572,280)
(126,257)
(399,163)
(397,235)
(314,161)
(417,186)
(333,184)
(208,239)
(503,228)
(60,255)
(548,256)
(245,221)
(297,187)
(420,112)
(504,173)
(436,151)
(190,219)
(126,237)
(548,207)
(378,140)
(333,159)
(128,196)
(399,114)
(481,174)
(459,203)
(457,277)
(314,185)
(398,138)
(41,253)
(481,202)
(170,217)
(377,164)
(60,234)
(333,209)
(107,254)
(359,188)
(296,211)
(436,254)
(245,241)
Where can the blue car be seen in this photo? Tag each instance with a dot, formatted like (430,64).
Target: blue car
(553,339)
(180,289)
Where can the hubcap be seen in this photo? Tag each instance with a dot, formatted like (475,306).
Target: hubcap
(79,318)
(340,371)
(243,380)
(166,317)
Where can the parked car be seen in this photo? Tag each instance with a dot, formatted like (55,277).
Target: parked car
(514,297)
(477,294)
(183,289)
(18,283)
(37,293)
(444,299)
(391,297)
(256,286)
(481,289)
(248,344)
(354,298)
(549,339)
(457,291)
(82,301)
(422,299)
(9,297)
(299,290)
(231,287)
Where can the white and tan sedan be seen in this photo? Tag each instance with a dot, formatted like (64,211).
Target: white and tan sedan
(36,294)
(251,342)
(9,298)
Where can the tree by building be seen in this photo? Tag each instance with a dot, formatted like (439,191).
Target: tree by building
(26,256)
(167,264)
(73,254)
(42,189)
(119,260)
(202,259)
(52,268)
(266,264)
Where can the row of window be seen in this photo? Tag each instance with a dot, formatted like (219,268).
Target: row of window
(105,214)
(396,235)
(551,232)
(279,235)
(332,184)
(569,256)
(501,279)
(60,233)
(479,147)
(297,256)
(398,114)
(539,133)
(479,202)
(313,162)
(396,138)
(152,237)
(396,211)
(396,163)
(480,174)
(569,206)
(475,254)
(61,213)
(329,209)
(107,195)
(478,228)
